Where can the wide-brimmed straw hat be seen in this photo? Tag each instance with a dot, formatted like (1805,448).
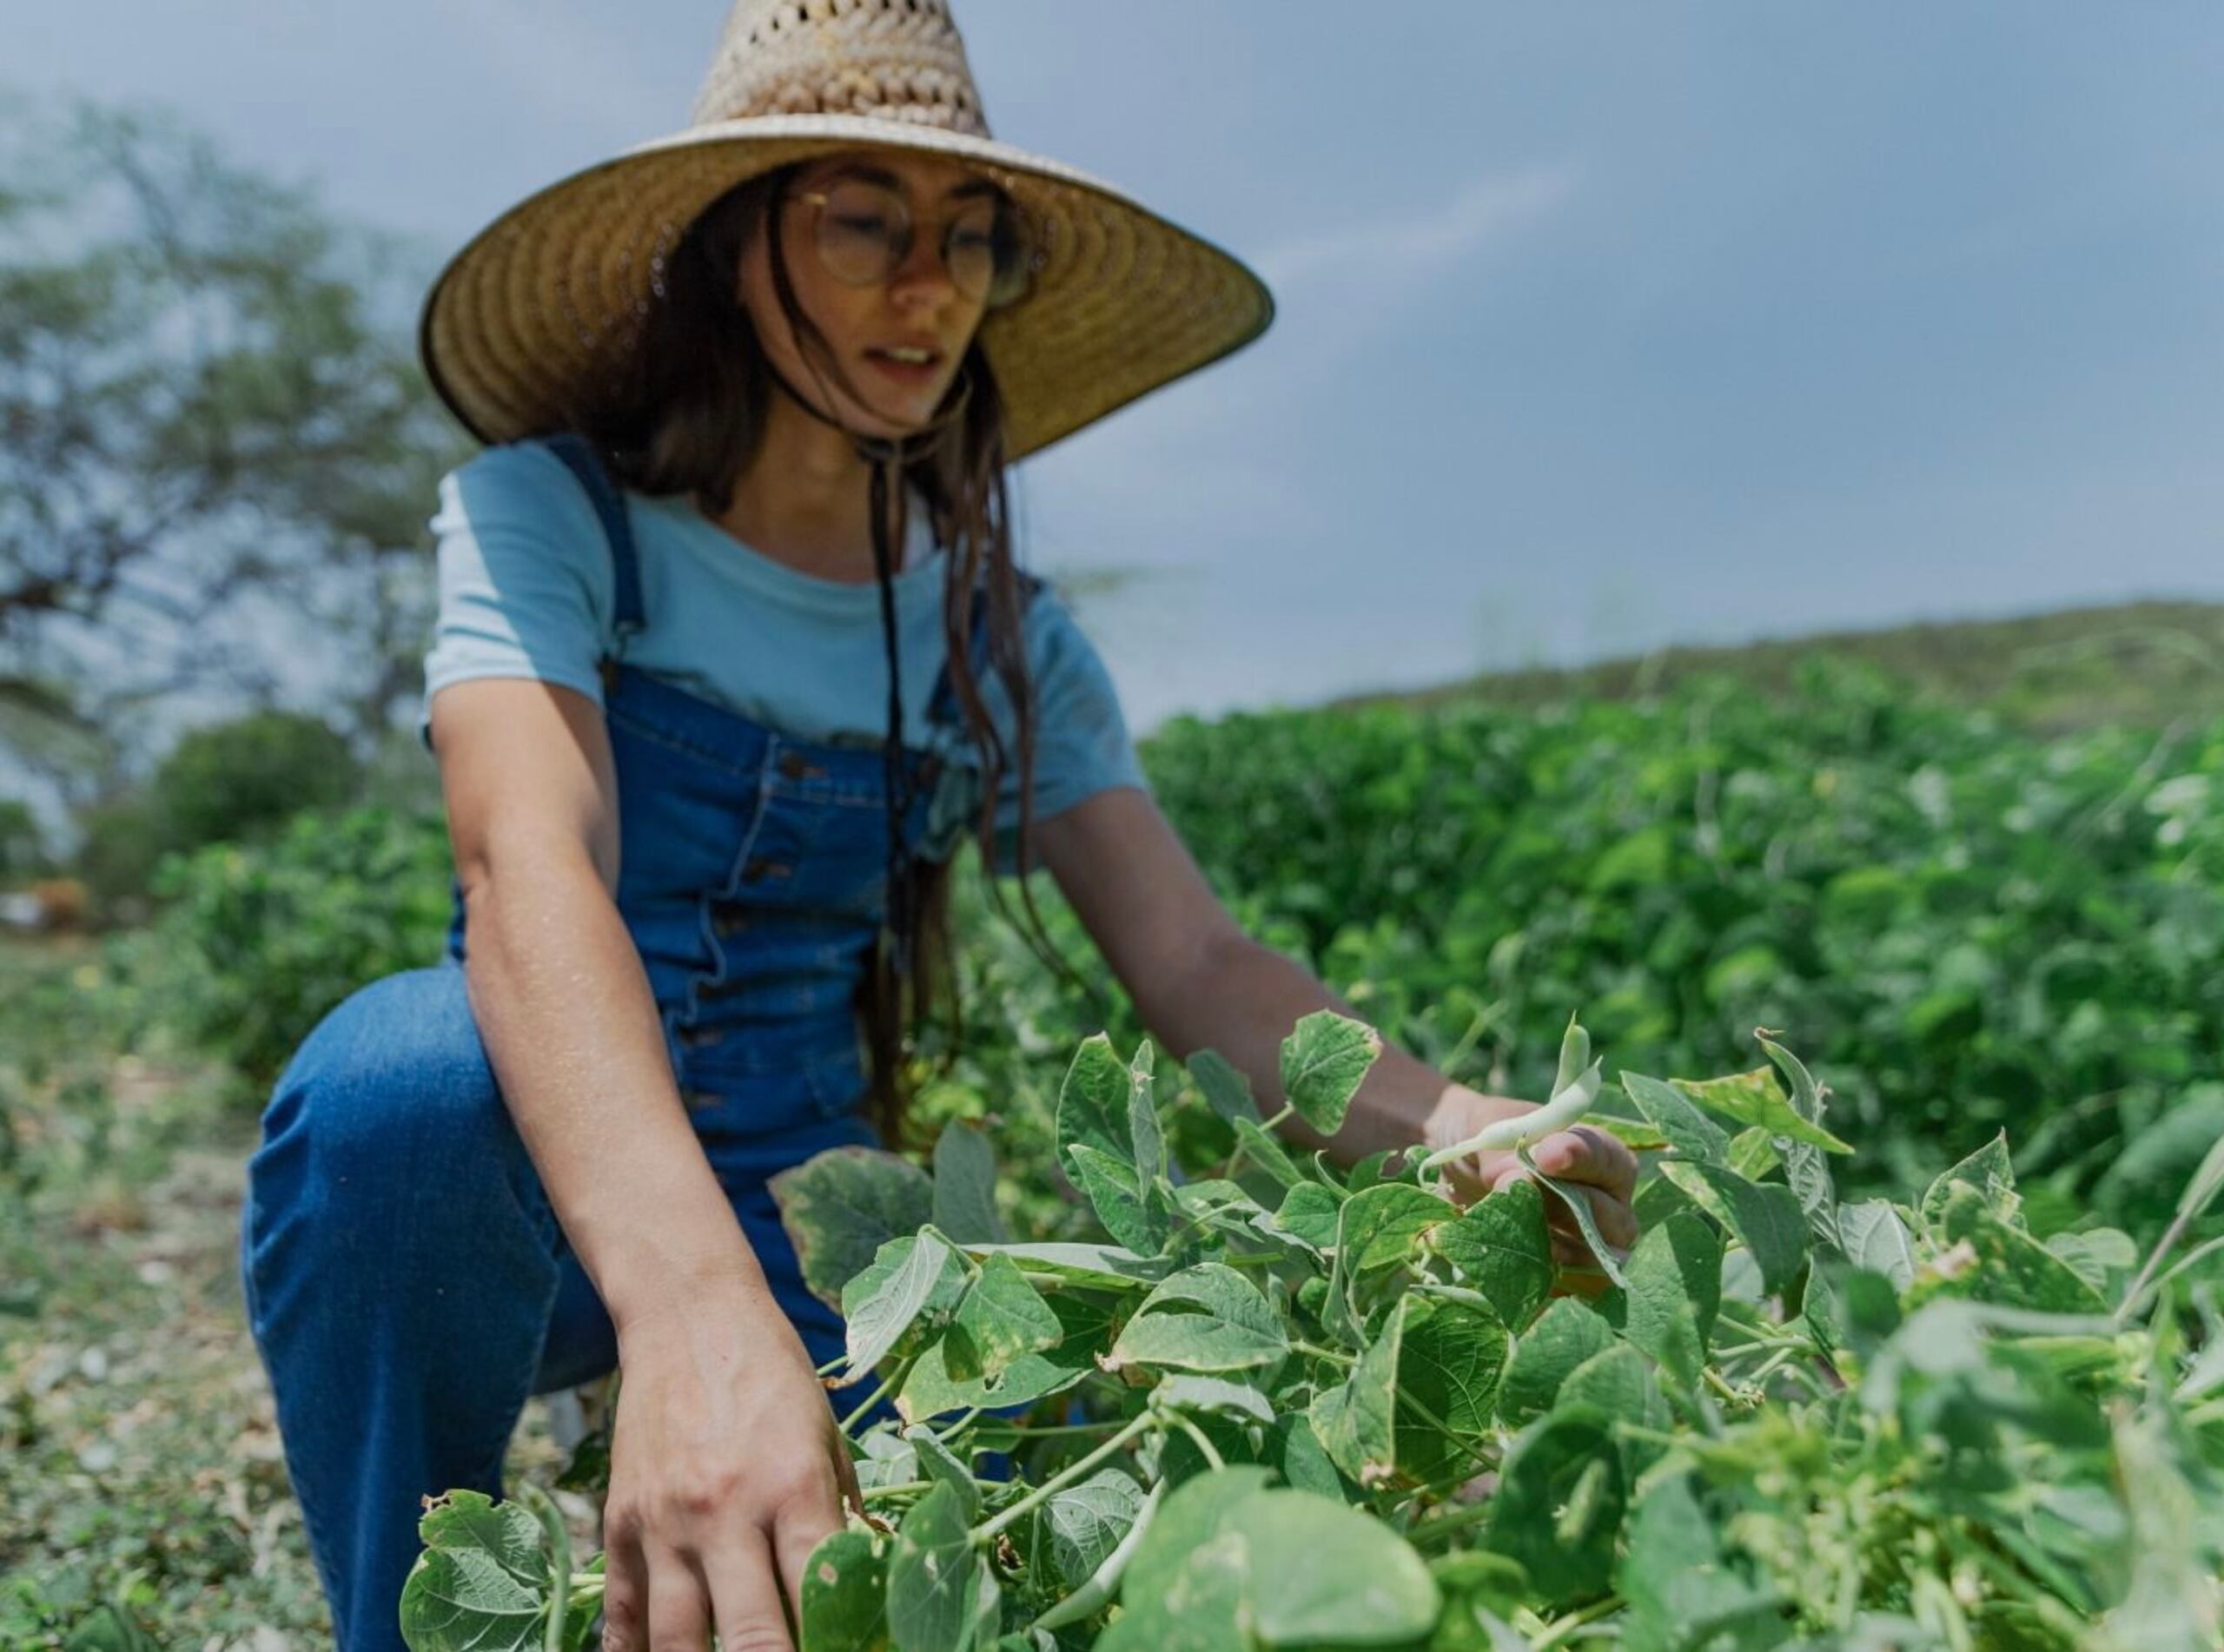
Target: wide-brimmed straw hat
(539,314)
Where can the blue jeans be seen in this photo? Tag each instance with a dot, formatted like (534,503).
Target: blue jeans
(408,1286)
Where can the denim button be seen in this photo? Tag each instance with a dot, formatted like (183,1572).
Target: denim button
(757,870)
(795,766)
(726,916)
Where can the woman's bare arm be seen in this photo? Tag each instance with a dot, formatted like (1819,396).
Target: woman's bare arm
(562,1001)
(727,1468)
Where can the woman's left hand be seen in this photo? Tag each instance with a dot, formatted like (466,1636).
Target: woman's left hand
(1585,1157)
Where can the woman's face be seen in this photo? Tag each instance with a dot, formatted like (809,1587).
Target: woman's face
(917,306)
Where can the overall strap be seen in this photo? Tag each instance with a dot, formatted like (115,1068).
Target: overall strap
(580,458)
(943,708)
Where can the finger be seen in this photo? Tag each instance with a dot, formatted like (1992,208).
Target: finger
(745,1594)
(1615,1222)
(678,1616)
(798,1528)
(1591,1156)
(624,1594)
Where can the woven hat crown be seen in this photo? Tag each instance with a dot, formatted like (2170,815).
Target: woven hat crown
(892,60)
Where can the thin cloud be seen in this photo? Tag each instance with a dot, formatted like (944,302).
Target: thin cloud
(1423,244)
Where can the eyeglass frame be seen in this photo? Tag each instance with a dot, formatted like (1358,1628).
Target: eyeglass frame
(1033,257)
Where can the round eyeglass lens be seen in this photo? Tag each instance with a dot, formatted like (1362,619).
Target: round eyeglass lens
(865,232)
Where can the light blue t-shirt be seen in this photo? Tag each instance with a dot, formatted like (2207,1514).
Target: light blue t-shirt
(527,588)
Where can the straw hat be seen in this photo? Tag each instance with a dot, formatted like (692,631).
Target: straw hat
(545,305)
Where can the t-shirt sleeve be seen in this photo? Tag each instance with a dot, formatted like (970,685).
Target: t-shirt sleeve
(525,582)
(1082,744)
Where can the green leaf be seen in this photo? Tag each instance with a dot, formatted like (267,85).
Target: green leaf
(1376,1234)
(1084,1330)
(1502,1246)
(1357,1421)
(1358,1583)
(840,1206)
(1324,1061)
(1310,1214)
(1565,1335)
(1264,1149)
(1093,1105)
(1226,1092)
(1133,1212)
(1619,1382)
(1205,1318)
(965,1185)
(1227,1564)
(1805,1170)
(2014,1269)
(481,1583)
(1558,1505)
(881,1303)
(1872,1235)
(1095,1267)
(1449,1361)
(1214,1397)
(845,1595)
(1682,1591)
(934,1577)
(1988,1170)
(1752,1153)
(1086,1521)
(1690,1131)
(1143,1133)
(1756,1098)
(1002,1318)
(1193,1515)
(1675,1289)
(1203,1604)
(939,1464)
(1765,1216)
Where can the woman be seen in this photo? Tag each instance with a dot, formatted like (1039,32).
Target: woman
(722,673)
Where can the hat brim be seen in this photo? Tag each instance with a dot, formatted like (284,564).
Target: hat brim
(538,315)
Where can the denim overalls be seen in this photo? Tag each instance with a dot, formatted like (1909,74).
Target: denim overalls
(406,1279)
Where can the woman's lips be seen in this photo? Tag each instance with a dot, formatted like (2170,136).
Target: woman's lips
(905,373)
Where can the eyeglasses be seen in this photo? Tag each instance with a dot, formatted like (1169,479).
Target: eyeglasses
(865,232)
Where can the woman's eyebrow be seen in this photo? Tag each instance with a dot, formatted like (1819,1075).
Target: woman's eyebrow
(970,189)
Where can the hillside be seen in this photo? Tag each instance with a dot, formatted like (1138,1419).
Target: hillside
(2144,663)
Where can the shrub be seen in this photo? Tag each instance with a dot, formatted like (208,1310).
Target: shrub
(1290,1407)
(266,938)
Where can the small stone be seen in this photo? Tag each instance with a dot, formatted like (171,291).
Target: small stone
(98,1457)
(157,1272)
(92,1365)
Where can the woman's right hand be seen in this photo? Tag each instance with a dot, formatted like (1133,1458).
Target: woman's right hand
(726,1470)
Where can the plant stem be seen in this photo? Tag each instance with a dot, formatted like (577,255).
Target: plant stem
(901,1489)
(1444,1525)
(1042,1494)
(559,1572)
(874,1398)
(1556,1633)
(1198,1435)
(1329,1354)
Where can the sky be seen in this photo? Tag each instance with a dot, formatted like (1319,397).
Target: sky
(1601,327)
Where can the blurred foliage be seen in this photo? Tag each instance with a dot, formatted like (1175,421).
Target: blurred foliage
(235,782)
(218,443)
(2140,662)
(264,938)
(1978,928)
(22,844)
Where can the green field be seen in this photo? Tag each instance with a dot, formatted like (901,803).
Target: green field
(1972,876)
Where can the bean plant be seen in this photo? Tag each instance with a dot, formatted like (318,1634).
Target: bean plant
(1279,1404)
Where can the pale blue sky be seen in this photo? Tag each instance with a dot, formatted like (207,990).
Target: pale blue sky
(1602,326)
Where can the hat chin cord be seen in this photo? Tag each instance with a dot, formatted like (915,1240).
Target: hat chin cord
(884,458)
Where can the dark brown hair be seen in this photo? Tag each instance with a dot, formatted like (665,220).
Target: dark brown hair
(691,421)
